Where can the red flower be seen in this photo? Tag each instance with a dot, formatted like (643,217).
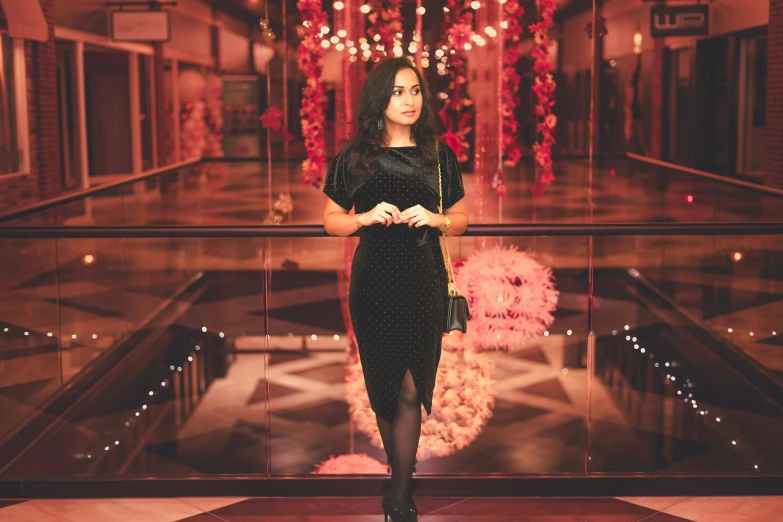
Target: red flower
(272,119)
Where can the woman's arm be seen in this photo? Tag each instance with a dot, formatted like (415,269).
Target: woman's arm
(458,215)
(338,221)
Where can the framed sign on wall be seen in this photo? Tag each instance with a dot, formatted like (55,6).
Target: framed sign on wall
(141,26)
(679,20)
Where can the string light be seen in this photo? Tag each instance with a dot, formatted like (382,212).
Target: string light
(339,6)
(365,9)
(164,383)
(689,399)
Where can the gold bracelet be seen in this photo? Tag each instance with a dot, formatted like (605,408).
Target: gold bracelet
(446,223)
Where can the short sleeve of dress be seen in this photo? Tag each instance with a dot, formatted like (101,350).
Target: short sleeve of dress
(453,189)
(336,184)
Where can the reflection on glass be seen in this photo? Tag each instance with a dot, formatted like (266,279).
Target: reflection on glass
(670,393)
(30,335)
(495,405)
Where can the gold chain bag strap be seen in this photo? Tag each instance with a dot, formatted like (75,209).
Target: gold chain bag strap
(457,313)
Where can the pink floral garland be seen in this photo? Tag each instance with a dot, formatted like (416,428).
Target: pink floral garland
(510,92)
(544,88)
(312,112)
(511,80)
(458,28)
(386,23)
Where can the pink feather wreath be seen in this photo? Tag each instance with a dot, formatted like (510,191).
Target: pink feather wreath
(351,464)
(511,297)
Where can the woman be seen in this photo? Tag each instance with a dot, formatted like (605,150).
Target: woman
(389,173)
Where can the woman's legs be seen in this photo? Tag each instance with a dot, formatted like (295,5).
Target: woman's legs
(385,427)
(406,429)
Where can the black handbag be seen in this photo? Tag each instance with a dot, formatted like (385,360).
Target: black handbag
(457,312)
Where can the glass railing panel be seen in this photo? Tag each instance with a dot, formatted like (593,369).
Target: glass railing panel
(515,410)
(672,393)
(31,337)
(730,286)
(148,337)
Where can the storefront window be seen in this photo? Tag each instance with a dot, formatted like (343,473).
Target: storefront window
(10,156)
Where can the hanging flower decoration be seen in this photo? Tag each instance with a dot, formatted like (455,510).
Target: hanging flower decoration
(284,203)
(385,29)
(313,110)
(600,27)
(458,30)
(461,404)
(544,88)
(351,464)
(273,119)
(511,297)
(512,31)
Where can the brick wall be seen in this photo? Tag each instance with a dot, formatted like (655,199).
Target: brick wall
(773,131)
(44,180)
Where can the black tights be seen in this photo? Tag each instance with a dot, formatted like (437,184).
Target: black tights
(401,438)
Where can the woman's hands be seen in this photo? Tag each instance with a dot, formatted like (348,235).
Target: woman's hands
(385,213)
(388,214)
(419,216)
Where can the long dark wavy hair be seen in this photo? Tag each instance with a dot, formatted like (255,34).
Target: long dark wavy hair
(365,146)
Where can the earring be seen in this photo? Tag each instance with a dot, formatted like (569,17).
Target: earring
(380,124)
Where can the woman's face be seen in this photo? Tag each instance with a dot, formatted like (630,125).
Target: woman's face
(406,99)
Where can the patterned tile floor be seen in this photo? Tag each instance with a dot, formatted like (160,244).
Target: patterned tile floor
(654,509)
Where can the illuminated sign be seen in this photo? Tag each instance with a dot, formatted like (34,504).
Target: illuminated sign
(679,20)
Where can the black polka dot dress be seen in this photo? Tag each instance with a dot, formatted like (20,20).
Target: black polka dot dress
(398,284)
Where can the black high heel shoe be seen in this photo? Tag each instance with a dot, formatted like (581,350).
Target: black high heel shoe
(397,513)
(411,504)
